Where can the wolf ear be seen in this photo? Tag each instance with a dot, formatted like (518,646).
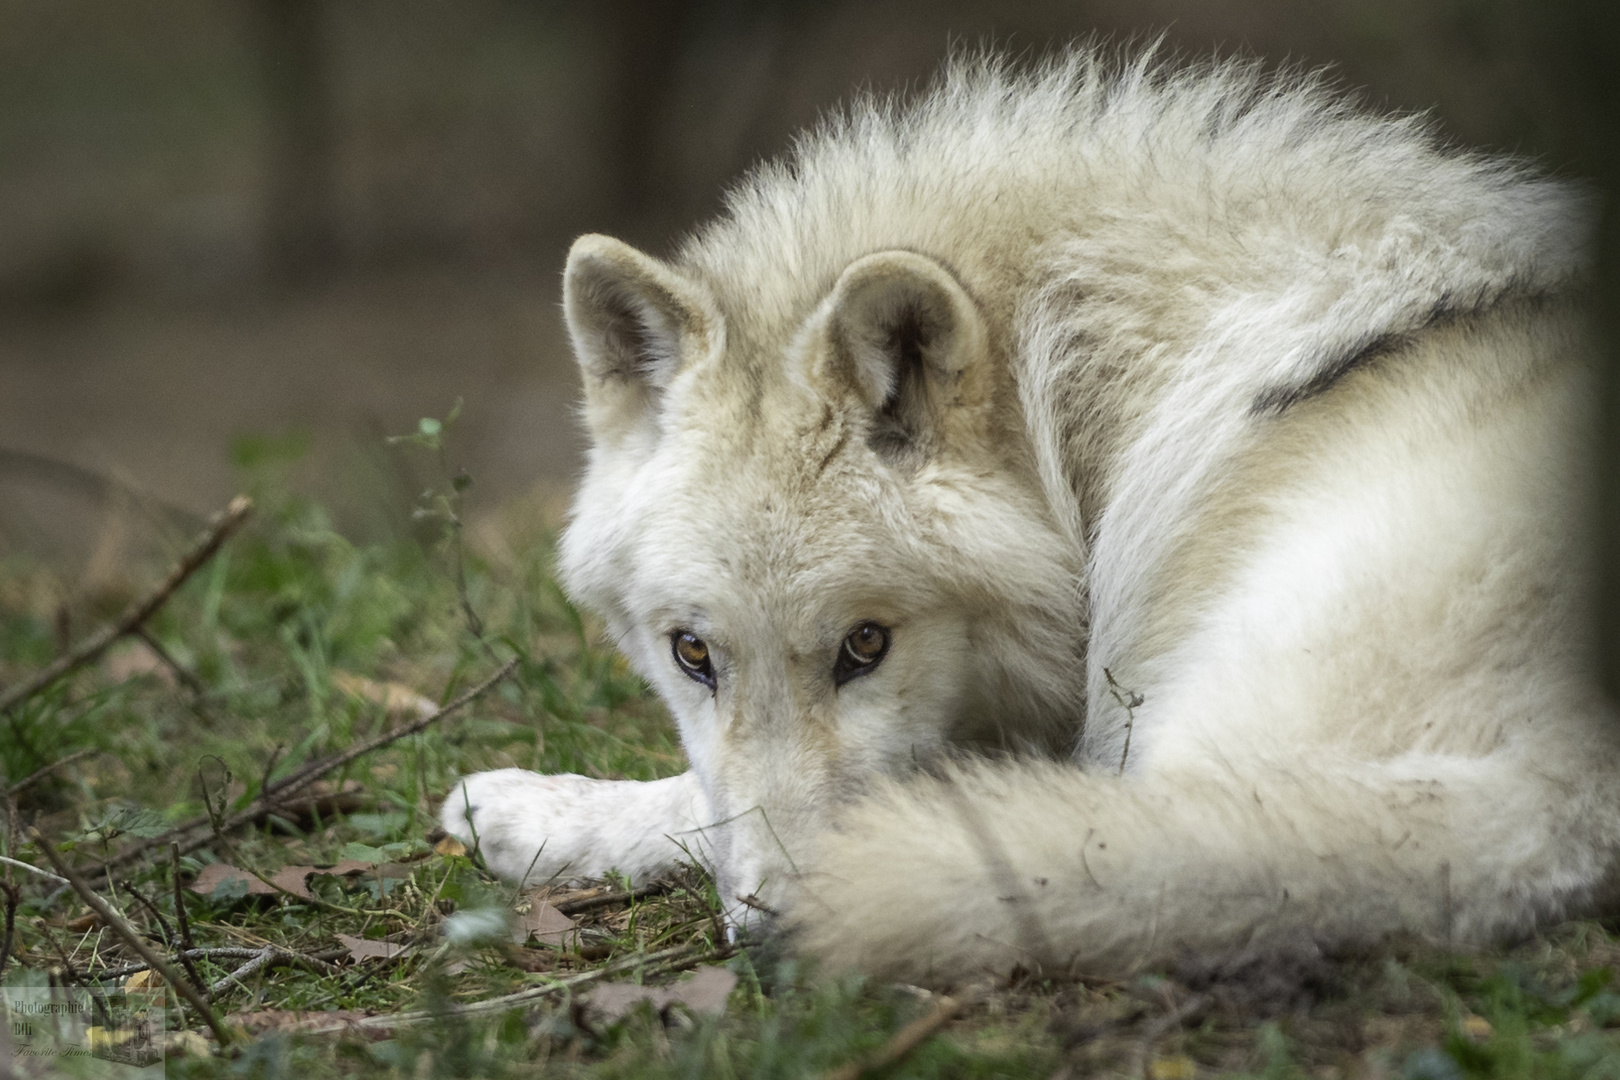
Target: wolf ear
(907,335)
(634,322)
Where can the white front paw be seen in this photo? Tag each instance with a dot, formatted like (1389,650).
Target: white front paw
(531,827)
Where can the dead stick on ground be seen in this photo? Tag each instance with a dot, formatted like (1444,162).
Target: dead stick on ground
(91,648)
(45,770)
(902,1042)
(180,915)
(302,778)
(121,927)
(658,963)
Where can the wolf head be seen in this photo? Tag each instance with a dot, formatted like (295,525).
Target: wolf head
(815,529)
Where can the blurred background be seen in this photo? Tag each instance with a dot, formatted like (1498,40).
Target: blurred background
(234,231)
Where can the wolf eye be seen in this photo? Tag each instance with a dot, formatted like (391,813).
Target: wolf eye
(862,651)
(692,654)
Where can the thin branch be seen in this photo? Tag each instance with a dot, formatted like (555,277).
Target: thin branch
(180,916)
(265,957)
(590,903)
(225,952)
(31,868)
(179,670)
(90,649)
(1130,701)
(296,781)
(45,770)
(658,963)
(901,1042)
(121,927)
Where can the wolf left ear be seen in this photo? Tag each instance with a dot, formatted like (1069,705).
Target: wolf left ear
(635,321)
(908,336)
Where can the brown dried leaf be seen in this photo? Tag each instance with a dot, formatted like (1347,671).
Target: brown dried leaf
(295,878)
(449,847)
(214,875)
(292,879)
(538,919)
(144,980)
(365,949)
(704,992)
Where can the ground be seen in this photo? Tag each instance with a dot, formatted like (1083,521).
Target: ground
(363,942)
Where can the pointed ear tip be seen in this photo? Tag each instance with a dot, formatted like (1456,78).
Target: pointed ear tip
(893,266)
(598,248)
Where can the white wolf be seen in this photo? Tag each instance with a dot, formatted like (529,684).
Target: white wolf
(1095,514)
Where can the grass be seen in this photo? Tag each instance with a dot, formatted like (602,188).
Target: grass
(274,632)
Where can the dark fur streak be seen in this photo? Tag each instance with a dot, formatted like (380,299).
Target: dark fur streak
(1276,400)
(843,437)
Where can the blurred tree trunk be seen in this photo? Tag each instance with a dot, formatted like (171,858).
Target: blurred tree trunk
(299,238)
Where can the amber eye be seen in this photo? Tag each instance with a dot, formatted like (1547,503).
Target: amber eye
(692,654)
(862,650)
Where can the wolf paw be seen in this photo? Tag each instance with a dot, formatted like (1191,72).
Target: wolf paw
(532,827)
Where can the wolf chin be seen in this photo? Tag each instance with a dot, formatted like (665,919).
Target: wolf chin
(1090,515)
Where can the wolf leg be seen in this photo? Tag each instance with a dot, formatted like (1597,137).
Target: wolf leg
(532,827)
(1050,866)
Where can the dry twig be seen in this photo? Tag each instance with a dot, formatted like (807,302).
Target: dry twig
(45,770)
(591,903)
(901,1042)
(217,952)
(183,835)
(651,964)
(90,649)
(32,869)
(121,927)
(266,957)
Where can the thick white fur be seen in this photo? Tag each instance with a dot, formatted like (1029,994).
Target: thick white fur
(1225,514)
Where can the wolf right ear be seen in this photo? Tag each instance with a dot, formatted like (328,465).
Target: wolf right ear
(635,321)
(908,338)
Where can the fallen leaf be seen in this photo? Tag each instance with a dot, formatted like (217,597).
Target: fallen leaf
(146,985)
(83,924)
(704,992)
(1476,1028)
(214,875)
(295,879)
(366,949)
(450,847)
(539,920)
(396,699)
(144,980)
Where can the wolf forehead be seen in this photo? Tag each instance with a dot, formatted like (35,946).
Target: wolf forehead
(714,515)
